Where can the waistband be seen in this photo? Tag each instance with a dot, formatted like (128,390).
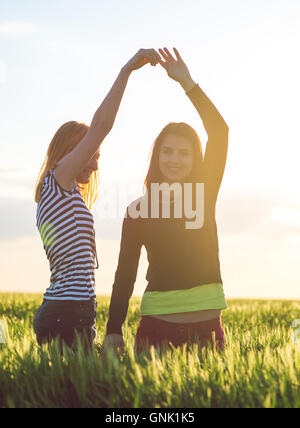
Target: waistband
(156,322)
(200,298)
(70,303)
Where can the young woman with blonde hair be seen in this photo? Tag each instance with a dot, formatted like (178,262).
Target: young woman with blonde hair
(184,297)
(65,192)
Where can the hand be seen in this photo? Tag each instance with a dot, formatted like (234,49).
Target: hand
(141,58)
(113,342)
(176,68)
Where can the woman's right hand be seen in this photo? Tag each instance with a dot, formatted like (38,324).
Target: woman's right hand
(113,341)
(141,58)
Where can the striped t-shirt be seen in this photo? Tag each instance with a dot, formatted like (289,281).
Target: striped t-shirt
(67,230)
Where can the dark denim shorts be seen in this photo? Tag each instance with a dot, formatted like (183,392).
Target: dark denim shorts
(62,318)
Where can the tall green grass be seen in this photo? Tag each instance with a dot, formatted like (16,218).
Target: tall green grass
(260,367)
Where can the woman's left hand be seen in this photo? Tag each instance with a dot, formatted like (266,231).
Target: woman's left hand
(141,58)
(176,68)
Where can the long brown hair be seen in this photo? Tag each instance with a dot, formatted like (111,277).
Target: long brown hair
(64,141)
(184,130)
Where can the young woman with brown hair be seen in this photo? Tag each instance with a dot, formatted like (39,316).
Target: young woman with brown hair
(184,297)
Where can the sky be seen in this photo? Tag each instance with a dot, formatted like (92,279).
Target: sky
(59,59)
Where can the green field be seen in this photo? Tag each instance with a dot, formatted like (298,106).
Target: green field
(260,367)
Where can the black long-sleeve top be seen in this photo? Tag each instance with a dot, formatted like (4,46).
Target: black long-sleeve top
(178,258)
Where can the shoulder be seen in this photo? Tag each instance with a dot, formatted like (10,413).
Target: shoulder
(138,208)
(135,211)
(133,223)
(51,181)
(47,180)
(65,185)
(136,204)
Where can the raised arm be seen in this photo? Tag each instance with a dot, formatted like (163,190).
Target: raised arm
(215,126)
(125,277)
(72,164)
(217,143)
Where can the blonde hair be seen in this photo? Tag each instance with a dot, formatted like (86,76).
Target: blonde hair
(64,141)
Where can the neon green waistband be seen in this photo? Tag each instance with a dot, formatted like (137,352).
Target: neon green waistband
(201,298)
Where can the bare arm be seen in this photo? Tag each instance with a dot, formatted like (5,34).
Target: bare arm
(71,165)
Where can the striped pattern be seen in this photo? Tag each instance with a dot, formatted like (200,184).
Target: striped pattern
(67,230)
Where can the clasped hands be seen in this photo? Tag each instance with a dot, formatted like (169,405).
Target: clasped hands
(174,66)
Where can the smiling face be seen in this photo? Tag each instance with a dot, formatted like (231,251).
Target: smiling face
(90,167)
(175,158)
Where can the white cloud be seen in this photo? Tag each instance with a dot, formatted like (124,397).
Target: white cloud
(16,183)
(17,218)
(17,27)
(76,48)
(258,212)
